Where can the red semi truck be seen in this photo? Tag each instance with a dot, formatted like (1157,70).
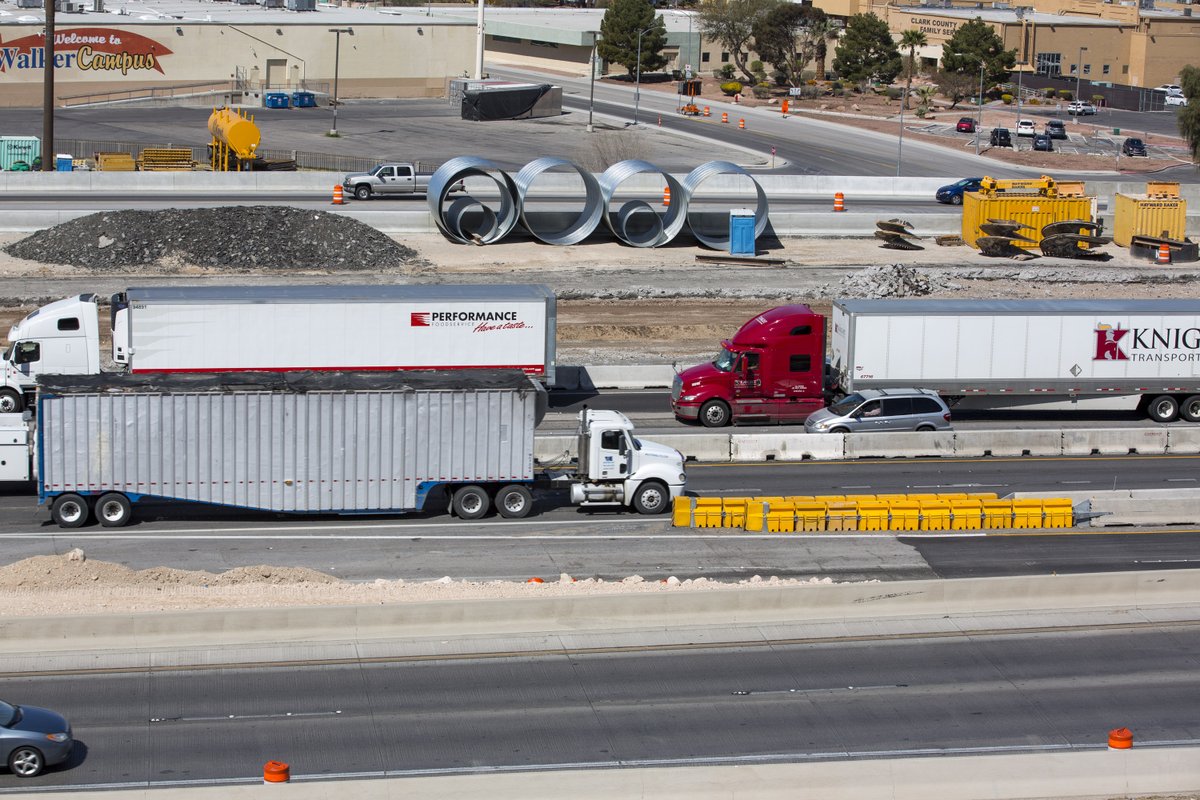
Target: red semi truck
(997,353)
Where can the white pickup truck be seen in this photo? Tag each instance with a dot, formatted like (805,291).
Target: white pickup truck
(395,177)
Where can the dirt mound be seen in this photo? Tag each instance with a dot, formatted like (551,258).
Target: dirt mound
(230,238)
(890,280)
(74,571)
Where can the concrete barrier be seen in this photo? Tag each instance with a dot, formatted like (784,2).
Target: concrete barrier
(1114,441)
(900,444)
(1144,507)
(550,449)
(786,446)
(704,447)
(1183,440)
(632,376)
(1007,443)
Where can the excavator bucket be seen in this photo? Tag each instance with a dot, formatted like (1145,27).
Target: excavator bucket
(1073,245)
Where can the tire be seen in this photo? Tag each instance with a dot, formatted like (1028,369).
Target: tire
(113,510)
(69,511)
(471,502)
(514,501)
(651,497)
(839,430)
(714,414)
(1189,409)
(956,200)
(925,429)
(11,402)
(26,762)
(1163,408)
(362,192)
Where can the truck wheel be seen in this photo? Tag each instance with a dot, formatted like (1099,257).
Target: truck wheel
(651,498)
(362,192)
(514,501)
(1163,408)
(10,402)
(1189,409)
(113,510)
(69,510)
(26,762)
(714,414)
(471,502)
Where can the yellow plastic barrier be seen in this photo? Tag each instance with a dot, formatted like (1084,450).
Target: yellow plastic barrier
(983,495)
(873,516)
(1058,513)
(859,498)
(906,516)
(967,514)
(707,512)
(810,516)
(841,516)
(681,512)
(1027,513)
(997,514)
(781,517)
(756,515)
(735,511)
(935,515)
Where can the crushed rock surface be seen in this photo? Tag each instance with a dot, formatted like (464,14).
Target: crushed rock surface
(72,584)
(229,237)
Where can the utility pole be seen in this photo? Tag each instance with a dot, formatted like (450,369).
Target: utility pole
(637,87)
(337,57)
(49,154)
(479,43)
(592,86)
(979,124)
(1079,70)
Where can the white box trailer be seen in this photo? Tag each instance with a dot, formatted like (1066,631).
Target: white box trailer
(198,329)
(1024,351)
(325,442)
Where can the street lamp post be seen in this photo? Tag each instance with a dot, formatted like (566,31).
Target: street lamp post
(592,87)
(1078,71)
(637,86)
(900,146)
(337,56)
(979,124)
(1020,74)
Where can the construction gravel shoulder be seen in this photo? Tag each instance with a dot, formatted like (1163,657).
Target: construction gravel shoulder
(617,305)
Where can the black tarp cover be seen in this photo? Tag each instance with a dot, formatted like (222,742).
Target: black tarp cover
(507,103)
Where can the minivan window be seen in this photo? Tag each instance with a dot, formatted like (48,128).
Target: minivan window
(847,404)
(871,409)
(897,406)
(926,405)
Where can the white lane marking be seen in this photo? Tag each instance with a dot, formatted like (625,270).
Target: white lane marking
(725,492)
(1181,480)
(281,715)
(1075,483)
(383,526)
(958,486)
(734,534)
(1166,561)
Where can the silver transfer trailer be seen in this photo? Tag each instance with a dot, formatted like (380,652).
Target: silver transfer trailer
(290,442)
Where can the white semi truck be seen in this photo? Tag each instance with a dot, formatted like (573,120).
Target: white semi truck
(319,443)
(223,329)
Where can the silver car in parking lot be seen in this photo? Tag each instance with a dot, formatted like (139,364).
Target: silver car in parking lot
(33,738)
(882,410)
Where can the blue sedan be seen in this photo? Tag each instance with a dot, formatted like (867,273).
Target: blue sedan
(32,739)
(953,194)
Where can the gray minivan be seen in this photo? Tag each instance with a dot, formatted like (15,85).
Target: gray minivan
(882,410)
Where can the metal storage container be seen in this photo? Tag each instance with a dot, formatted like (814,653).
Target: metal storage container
(293,442)
(1034,211)
(19,148)
(1160,212)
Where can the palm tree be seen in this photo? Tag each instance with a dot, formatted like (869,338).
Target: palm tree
(910,40)
(821,32)
(925,94)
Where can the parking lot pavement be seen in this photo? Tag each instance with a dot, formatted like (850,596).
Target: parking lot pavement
(1094,142)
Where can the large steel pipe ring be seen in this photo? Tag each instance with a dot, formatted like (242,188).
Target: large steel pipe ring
(720,241)
(583,224)
(493,224)
(664,227)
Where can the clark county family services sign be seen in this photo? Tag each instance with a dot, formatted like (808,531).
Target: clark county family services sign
(94,50)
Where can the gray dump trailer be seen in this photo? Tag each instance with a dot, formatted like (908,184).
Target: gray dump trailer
(313,443)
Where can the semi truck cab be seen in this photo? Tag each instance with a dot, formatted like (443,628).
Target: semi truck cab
(771,371)
(617,468)
(62,338)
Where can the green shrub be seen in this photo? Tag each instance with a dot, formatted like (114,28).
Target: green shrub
(921,112)
(1098,99)
(1049,93)
(731,88)
(1033,101)
(762,90)
(1007,99)
(895,93)
(1064,94)
(726,71)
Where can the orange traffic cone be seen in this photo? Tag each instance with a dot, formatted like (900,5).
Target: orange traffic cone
(839,202)
(276,772)
(784,106)
(741,124)
(724,116)
(1120,739)
(1164,254)
(337,195)
(666,195)
(706,111)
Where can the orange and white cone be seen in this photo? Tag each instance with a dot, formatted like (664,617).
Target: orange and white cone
(337,195)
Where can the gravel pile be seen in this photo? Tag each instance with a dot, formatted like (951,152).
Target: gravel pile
(230,237)
(890,280)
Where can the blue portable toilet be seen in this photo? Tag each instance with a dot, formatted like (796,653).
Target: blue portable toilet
(304,100)
(64,162)
(741,232)
(275,100)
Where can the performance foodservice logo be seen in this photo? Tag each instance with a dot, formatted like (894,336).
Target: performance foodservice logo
(1146,344)
(478,321)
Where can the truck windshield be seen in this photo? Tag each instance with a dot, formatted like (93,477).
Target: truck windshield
(847,404)
(725,360)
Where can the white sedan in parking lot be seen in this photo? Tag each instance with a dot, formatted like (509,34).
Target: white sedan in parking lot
(1175,100)
(1025,127)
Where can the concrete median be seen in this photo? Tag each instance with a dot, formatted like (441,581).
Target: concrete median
(786,447)
(1007,443)
(900,444)
(1183,440)
(631,376)
(1114,441)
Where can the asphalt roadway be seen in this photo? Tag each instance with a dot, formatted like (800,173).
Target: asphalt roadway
(766,701)
(614,544)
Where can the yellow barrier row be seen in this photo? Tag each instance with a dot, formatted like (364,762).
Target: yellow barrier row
(944,512)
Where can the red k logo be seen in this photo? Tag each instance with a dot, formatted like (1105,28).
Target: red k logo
(1108,344)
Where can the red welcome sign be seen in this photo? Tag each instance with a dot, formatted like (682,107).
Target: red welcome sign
(89,49)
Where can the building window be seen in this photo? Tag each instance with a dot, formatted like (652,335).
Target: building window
(1087,69)
(704,57)
(536,43)
(1105,70)
(1124,69)
(724,58)
(1049,63)
(509,39)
